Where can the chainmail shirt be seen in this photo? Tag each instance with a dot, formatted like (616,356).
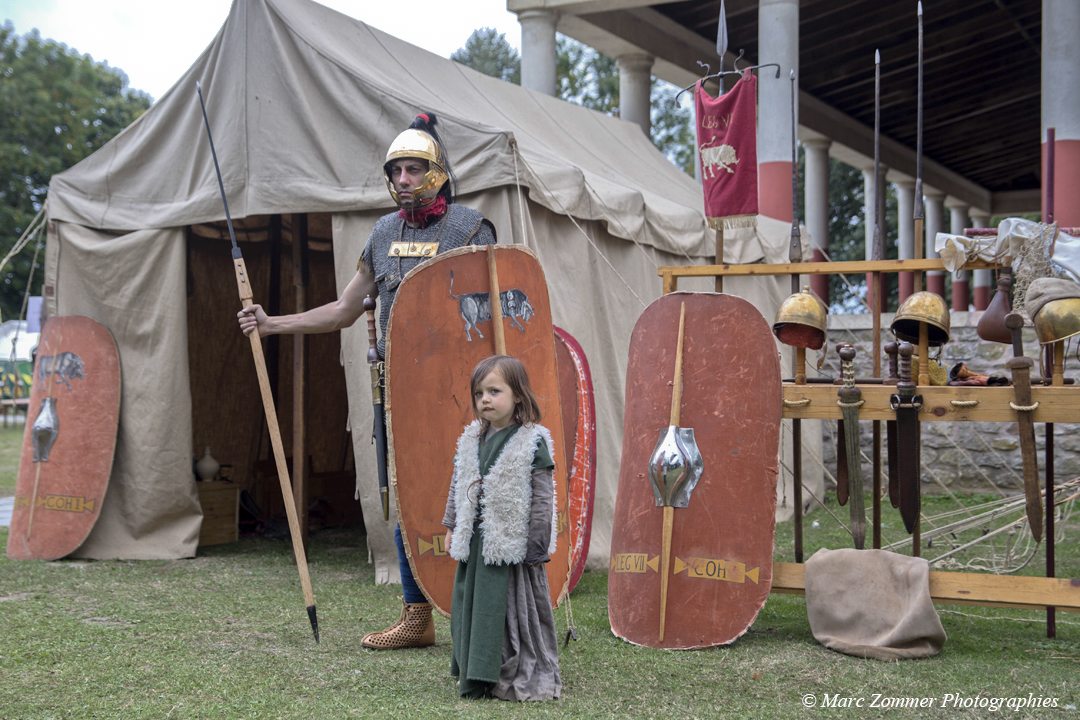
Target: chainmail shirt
(460,226)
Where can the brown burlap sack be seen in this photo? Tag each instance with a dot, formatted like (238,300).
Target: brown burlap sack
(872,604)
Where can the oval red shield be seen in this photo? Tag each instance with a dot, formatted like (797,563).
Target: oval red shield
(720,568)
(439,328)
(70,438)
(579,432)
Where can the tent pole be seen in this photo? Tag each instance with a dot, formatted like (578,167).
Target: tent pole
(300,469)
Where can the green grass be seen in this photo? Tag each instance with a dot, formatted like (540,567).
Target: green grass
(11,440)
(225,635)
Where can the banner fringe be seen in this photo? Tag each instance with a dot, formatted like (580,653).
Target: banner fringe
(733,222)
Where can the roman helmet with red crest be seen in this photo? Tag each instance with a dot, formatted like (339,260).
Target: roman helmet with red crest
(422,141)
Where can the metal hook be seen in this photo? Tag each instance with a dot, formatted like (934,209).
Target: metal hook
(722,73)
(735,64)
(708,68)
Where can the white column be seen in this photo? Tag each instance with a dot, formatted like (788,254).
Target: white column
(538,54)
(905,222)
(817,207)
(958,216)
(817,191)
(870,213)
(778,42)
(1061,103)
(982,280)
(935,223)
(905,231)
(958,222)
(635,89)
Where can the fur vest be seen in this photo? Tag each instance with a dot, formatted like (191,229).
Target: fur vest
(506,500)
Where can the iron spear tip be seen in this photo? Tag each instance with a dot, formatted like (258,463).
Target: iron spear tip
(877,57)
(792,73)
(920,8)
(314,621)
(198,87)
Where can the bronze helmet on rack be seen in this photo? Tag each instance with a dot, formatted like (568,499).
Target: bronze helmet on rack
(802,321)
(1054,307)
(922,307)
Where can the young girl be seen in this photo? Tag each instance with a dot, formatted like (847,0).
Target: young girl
(501,521)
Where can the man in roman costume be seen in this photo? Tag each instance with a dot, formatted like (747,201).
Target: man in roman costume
(419,178)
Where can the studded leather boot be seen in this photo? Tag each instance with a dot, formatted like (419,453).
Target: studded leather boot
(415,628)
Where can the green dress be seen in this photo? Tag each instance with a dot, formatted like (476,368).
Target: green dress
(500,619)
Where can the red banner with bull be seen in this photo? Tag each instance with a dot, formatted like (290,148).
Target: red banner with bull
(727,144)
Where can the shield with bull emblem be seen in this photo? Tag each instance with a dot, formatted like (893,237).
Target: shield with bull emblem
(70,437)
(440,327)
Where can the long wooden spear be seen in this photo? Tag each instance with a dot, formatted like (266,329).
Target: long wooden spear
(243,283)
(920,209)
(795,256)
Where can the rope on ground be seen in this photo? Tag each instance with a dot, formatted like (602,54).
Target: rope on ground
(1037,620)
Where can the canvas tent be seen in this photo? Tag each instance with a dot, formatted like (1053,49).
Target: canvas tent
(303,102)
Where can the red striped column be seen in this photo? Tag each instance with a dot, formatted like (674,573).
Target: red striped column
(1061,105)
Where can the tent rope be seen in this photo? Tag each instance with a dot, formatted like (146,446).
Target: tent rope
(566,212)
(517,182)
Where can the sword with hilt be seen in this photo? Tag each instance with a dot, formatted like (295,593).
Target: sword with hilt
(843,484)
(892,349)
(1021,365)
(850,401)
(243,284)
(907,404)
(378,384)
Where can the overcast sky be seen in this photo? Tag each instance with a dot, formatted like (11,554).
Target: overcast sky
(155,41)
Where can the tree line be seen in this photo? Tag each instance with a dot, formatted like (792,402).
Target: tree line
(57,106)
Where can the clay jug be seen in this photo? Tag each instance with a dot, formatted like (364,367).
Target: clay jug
(991,325)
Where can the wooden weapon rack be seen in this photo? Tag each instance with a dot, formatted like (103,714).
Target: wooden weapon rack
(1057,402)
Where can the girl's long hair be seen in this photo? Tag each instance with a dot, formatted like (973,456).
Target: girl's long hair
(527,409)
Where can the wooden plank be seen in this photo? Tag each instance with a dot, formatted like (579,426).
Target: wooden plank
(1056,403)
(953,588)
(854,267)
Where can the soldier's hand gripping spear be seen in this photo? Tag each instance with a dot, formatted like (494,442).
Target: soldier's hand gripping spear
(244,285)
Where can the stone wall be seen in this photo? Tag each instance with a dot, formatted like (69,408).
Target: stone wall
(969,457)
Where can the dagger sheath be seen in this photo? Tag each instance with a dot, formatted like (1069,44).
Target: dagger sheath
(850,400)
(907,405)
(378,426)
(1021,373)
(842,481)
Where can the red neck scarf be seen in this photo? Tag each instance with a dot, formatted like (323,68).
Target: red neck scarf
(424,215)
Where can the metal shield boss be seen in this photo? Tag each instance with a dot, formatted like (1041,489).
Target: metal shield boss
(675,467)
